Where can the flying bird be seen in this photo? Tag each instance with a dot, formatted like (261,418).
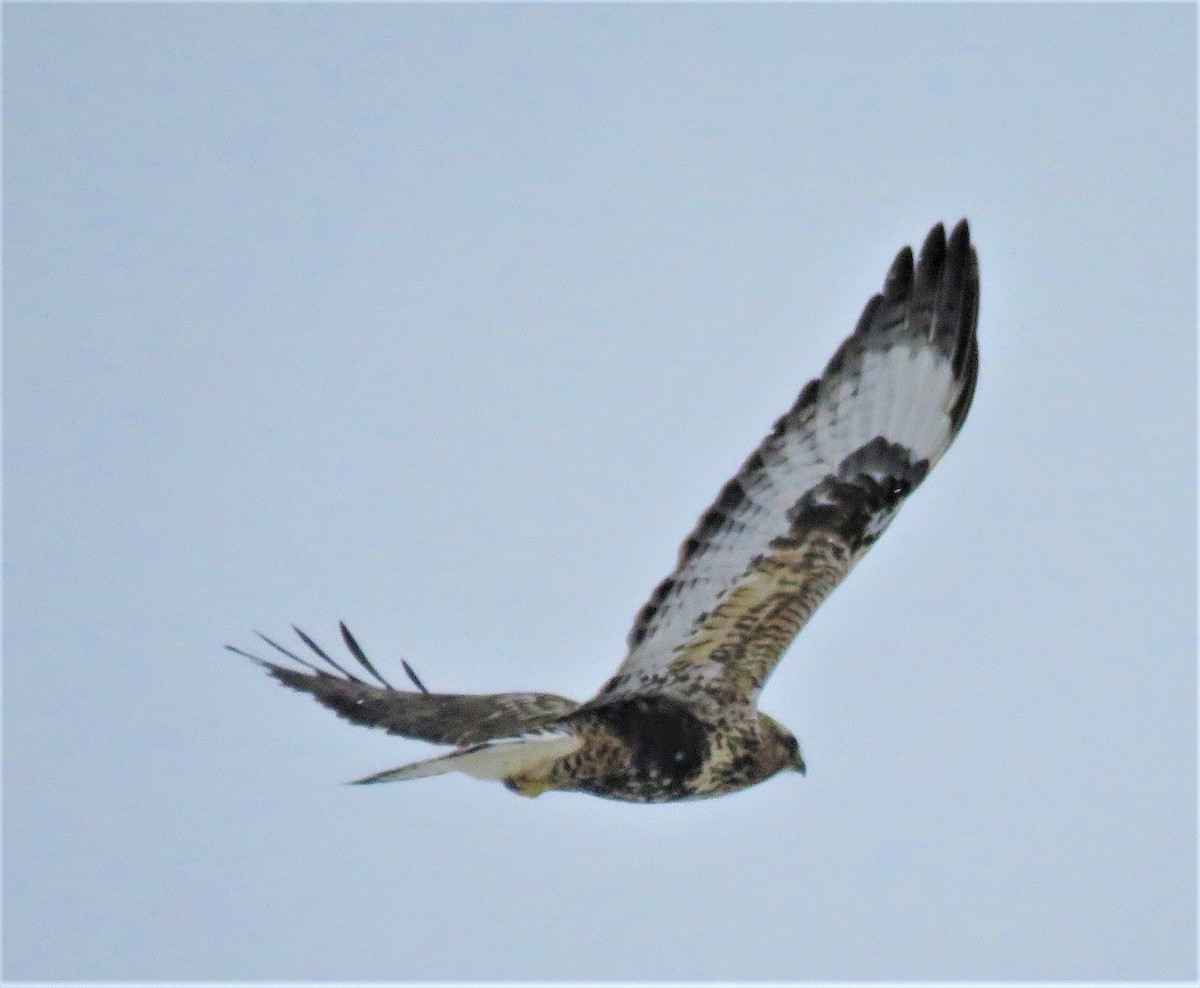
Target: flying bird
(679,718)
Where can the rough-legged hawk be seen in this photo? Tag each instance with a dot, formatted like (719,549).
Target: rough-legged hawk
(678,719)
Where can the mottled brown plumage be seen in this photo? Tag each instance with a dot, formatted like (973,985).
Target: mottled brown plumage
(442,718)
(679,718)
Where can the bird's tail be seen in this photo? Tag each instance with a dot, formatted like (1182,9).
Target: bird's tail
(490,760)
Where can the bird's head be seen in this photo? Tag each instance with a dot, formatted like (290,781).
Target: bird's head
(787,748)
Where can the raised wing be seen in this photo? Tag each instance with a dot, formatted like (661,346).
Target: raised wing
(442,718)
(820,489)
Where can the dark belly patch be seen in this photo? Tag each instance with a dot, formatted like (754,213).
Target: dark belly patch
(667,743)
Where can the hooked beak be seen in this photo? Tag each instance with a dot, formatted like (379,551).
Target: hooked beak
(798,764)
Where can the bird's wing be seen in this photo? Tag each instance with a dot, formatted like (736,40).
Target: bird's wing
(443,718)
(820,489)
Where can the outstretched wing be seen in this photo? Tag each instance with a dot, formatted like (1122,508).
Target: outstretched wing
(442,718)
(820,489)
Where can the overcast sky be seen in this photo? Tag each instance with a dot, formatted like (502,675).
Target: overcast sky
(449,321)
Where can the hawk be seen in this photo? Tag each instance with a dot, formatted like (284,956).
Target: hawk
(679,718)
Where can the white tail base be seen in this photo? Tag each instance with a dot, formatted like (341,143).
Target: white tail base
(490,760)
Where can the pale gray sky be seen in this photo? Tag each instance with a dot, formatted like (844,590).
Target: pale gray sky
(449,321)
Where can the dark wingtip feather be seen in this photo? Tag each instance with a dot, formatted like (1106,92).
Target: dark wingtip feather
(954,257)
(933,257)
(290,654)
(958,303)
(899,276)
(960,236)
(358,653)
(867,317)
(246,655)
(325,655)
(413,676)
